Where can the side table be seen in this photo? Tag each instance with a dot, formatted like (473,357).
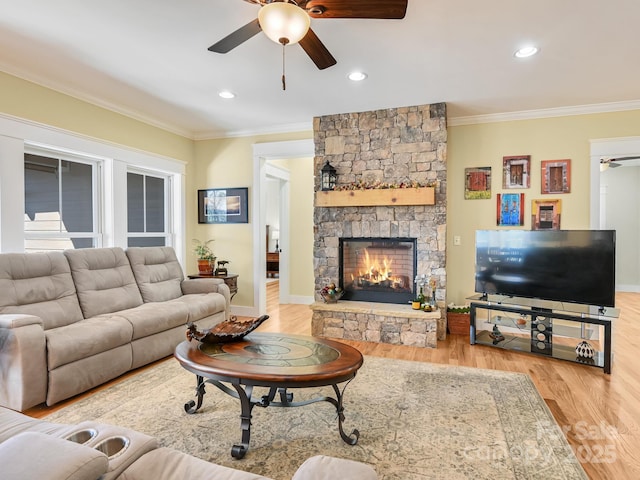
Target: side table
(231,279)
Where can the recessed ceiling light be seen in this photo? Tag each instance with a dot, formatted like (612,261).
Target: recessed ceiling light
(226,94)
(357,76)
(527,51)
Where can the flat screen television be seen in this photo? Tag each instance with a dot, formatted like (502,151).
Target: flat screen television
(576,266)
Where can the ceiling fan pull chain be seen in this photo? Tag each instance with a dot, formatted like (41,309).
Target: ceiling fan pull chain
(284,83)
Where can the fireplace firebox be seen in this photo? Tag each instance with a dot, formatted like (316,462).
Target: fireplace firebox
(378,269)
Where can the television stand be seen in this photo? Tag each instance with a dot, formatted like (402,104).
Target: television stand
(544,331)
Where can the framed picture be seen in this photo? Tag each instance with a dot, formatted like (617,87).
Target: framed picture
(477,183)
(556,176)
(223,205)
(516,171)
(510,209)
(545,214)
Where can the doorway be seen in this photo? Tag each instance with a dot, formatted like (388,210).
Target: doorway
(263,156)
(615,204)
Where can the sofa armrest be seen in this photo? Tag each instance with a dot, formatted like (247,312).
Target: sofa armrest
(18,320)
(37,455)
(23,361)
(209,285)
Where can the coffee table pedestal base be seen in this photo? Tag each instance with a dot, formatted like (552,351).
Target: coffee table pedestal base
(244,394)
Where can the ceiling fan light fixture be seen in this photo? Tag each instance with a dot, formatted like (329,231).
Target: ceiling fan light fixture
(357,76)
(284,22)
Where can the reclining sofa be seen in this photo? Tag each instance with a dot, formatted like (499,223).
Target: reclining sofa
(95,451)
(72,320)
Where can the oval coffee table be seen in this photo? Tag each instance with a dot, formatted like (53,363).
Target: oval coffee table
(276,361)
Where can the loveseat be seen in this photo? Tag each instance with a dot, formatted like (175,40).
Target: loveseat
(72,320)
(31,448)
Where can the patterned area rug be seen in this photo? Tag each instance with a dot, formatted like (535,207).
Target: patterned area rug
(416,421)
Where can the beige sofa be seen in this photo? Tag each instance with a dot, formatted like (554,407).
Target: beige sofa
(72,320)
(92,451)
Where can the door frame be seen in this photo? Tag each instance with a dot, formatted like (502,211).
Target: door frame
(262,152)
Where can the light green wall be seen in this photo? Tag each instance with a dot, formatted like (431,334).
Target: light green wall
(24,99)
(484,145)
(225,163)
(301,276)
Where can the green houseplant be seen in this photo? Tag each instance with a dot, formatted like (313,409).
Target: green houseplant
(205,256)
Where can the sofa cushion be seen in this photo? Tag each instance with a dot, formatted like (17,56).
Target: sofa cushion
(104,280)
(202,305)
(151,318)
(86,338)
(12,423)
(37,455)
(39,284)
(167,464)
(157,272)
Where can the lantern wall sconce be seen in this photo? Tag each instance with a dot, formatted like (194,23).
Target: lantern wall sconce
(328,177)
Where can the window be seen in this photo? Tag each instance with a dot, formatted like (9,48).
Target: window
(147,212)
(60,202)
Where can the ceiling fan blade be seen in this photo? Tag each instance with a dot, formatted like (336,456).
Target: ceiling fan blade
(614,165)
(619,159)
(317,51)
(234,39)
(392,9)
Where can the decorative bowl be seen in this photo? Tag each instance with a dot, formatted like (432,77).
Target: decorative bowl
(332,297)
(228,331)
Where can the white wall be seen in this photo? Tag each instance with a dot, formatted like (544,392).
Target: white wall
(620,197)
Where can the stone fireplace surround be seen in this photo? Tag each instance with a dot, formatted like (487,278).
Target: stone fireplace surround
(407,144)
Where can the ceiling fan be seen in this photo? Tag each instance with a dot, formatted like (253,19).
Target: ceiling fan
(287,22)
(615,162)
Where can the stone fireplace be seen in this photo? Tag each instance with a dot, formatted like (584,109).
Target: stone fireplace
(392,147)
(377,269)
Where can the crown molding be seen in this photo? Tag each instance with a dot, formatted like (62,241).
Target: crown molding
(545,113)
(99,102)
(270,130)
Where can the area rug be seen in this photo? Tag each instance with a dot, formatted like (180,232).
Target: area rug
(416,421)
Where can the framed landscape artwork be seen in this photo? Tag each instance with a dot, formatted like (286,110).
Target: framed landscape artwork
(477,183)
(510,209)
(223,205)
(516,171)
(556,176)
(545,214)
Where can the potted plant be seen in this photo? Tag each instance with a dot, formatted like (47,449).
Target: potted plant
(458,319)
(205,256)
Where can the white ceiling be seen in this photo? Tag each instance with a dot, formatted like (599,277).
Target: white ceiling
(149,59)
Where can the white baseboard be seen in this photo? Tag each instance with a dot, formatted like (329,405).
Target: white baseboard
(628,288)
(301,300)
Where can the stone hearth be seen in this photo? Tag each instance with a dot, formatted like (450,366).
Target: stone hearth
(375,322)
(398,145)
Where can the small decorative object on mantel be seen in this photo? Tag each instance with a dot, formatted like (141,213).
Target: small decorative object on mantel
(206,258)
(328,177)
(331,294)
(224,332)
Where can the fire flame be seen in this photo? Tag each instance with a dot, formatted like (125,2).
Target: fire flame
(376,270)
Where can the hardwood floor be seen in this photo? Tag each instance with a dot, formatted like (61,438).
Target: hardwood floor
(599,414)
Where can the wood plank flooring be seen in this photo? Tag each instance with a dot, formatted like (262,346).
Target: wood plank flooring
(599,414)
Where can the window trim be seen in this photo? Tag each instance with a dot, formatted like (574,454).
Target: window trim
(97,180)
(168,233)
